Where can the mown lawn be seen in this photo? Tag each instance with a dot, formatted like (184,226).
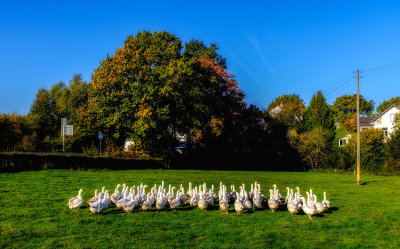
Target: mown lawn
(33,212)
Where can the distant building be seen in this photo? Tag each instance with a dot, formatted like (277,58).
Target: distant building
(128,143)
(384,121)
(276,110)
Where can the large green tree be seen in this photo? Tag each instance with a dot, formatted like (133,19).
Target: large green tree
(153,93)
(318,114)
(345,107)
(68,99)
(44,108)
(387,103)
(49,106)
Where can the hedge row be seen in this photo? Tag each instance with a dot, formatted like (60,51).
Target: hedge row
(14,162)
(216,160)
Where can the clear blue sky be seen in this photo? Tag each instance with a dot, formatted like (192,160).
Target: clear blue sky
(272,47)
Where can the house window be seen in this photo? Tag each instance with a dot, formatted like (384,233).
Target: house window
(342,141)
(392,117)
(385,132)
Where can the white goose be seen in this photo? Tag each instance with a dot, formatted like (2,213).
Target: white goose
(238,205)
(176,202)
(96,207)
(76,202)
(116,195)
(293,205)
(288,194)
(160,203)
(246,203)
(223,203)
(318,206)
(212,193)
(106,199)
(308,209)
(94,198)
(257,199)
(273,203)
(190,191)
(125,198)
(325,202)
(129,205)
(298,194)
(146,205)
(202,203)
(194,199)
(210,199)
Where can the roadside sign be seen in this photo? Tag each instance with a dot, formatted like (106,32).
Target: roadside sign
(64,122)
(100,138)
(69,130)
(66,130)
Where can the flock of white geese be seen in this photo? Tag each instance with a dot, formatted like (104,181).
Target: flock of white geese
(133,197)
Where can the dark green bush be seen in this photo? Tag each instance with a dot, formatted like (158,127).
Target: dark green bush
(339,159)
(372,149)
(14,162)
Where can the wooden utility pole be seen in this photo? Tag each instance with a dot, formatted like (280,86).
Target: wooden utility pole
(358,130)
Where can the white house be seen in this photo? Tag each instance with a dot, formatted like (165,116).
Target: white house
(384,121)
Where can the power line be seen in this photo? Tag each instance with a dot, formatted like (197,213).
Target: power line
(385,68)
(382,67)
(340,87)
(334,85)
(388,72)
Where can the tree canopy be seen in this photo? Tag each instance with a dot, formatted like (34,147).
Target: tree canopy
(345,107)
(288,109)
(318,114)
(60,101)
(153,93)
(388,103)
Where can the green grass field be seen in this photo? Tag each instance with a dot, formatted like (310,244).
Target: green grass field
(34,214)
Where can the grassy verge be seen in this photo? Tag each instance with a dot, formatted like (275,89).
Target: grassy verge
(33,212)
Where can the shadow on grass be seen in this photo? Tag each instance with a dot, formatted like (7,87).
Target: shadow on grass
(365,183)
(331,210)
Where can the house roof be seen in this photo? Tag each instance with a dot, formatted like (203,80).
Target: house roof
(383,113)
(365,121)
(368,121)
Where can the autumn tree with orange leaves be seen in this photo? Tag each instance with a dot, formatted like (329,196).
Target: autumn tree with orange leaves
(158,95)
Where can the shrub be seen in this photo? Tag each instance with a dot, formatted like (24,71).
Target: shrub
(90,150)
(372,149)
(314,147)
(392,146)
(339,159)
(391,166)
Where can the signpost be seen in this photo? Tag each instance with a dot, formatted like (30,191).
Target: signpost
(100,138)
(66,130)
